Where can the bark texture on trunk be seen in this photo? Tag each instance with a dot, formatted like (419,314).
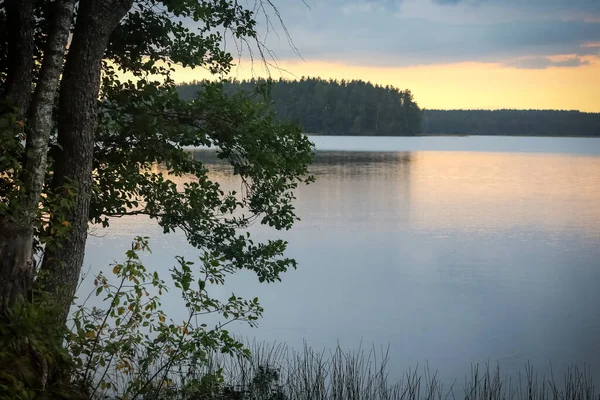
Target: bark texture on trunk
(16,263)
(16,233)
(16,240)
(40,113)
(96,19)
(19,79)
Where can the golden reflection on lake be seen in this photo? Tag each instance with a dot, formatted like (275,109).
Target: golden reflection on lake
(487,191)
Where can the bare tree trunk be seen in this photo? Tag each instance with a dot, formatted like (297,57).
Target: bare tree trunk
(40,115)
(77,121)
(19,79)
(16,242)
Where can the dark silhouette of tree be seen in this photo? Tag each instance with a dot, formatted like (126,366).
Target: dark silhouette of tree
(332,107)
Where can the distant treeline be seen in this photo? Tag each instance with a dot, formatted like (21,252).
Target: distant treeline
(331,107)
(511,122)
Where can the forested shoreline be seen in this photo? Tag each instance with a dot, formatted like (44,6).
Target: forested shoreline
(358,108)
(332,107)
(511,122)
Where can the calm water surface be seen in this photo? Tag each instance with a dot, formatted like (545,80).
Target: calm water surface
(450,250)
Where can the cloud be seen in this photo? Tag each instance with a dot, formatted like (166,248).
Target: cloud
(368,6)
(527,9)
(449,1)
(394,33)
(589,5)
(410,41)
(546,62)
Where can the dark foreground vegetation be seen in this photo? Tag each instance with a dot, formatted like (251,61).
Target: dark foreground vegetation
(275,372)
(88,107)
(330,107)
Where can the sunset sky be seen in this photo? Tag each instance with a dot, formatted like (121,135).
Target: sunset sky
(449,53)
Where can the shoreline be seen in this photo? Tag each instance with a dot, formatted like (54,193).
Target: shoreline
(459,135)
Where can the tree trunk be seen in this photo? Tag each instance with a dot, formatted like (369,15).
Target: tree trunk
(16,243)
(16,264)
(16,234)
(96,19)
(16,252)
(40,114)
(19,79)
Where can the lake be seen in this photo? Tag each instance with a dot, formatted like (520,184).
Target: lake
(452,250)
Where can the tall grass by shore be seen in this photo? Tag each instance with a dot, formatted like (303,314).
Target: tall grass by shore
(276,372)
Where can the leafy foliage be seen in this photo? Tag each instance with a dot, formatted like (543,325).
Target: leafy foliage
(143,123)
(128,346)
(33,360)
(11,151)
(152,126)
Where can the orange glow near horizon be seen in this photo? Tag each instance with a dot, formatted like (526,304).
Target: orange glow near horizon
(458,86)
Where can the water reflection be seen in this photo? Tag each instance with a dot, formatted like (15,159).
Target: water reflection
(449,257)
(492,191)
(340,164)
(344,165)
(461,191)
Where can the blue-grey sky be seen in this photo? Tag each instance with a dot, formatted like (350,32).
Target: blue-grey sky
(517,33)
